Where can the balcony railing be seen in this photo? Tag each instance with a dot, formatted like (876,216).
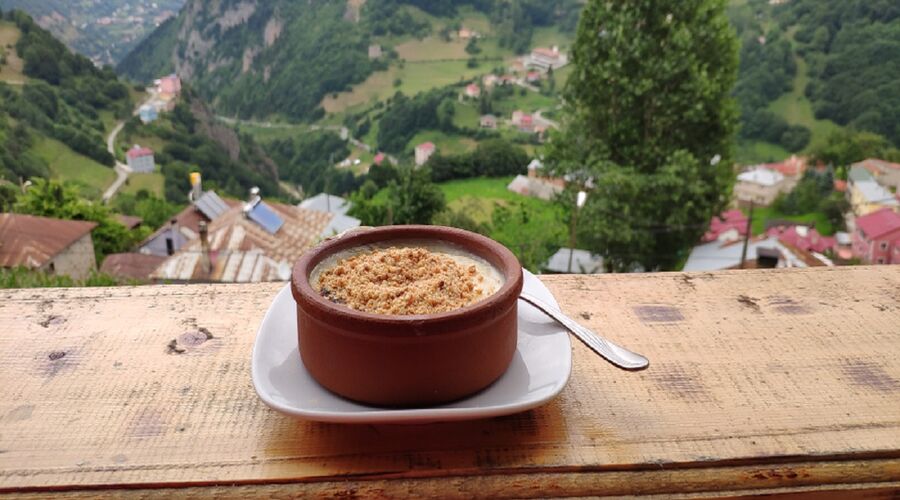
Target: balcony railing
(760,382)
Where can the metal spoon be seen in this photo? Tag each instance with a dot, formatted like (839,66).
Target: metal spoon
(615,354)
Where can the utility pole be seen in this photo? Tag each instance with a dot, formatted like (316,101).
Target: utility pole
(747,236)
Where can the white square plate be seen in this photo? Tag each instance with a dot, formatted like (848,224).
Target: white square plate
(539,370)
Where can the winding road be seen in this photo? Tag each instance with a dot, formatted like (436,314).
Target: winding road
(122,170)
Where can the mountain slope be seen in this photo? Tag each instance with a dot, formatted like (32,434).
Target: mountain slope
(57,108)
(257,58)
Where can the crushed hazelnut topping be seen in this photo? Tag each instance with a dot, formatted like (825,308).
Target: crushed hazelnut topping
(401,281)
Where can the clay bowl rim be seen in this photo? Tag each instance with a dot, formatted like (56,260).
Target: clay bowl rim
(361,322)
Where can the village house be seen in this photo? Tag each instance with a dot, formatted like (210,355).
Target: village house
(378,159)
(537,184)
(169,85)
(424,152)
(866,195)
(374,51)
(140,160)
(533,76)
(803,237)
(765,251)
(728,226)
(885,173)
(148,113)
(131,266)
(465,33)
(184,227)
(792,169)
(760,186)
(55,246)
(488,121)
(490,80)
(543,59)
(473,91)
(253,242)
(877,237)
(526,124)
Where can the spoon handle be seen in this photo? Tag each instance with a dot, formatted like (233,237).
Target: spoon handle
(615,354)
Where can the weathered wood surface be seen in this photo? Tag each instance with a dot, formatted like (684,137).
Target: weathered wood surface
(760,381)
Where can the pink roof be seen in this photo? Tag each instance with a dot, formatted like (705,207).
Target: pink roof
(732,219)
(527,119)
(472,87)
(878,223)
(545,52)
(426,146)
(804,239)
(139,152)
(533,74)
(170,84)
(379,158)
(840,186)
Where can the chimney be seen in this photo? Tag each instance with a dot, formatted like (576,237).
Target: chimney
(253,200)
(170,239)
(196,187)
(205,261)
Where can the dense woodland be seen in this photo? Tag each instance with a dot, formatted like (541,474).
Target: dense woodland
(853,51)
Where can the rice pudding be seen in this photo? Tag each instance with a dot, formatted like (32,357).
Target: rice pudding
(405,278)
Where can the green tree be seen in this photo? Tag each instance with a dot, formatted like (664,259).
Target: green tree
(49,198)
(849,146)
(411,198)
(650,122)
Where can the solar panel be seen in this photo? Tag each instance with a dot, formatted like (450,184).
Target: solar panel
(263,215)
(211,205)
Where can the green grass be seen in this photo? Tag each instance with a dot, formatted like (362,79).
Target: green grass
(475,20)
(479,196)
(550,36)
(432,48)
(796,108)
(154,183)
(753,152)
(467,115)
(763,214)
(10,72)
(529,103)
(68,165)
(447,144)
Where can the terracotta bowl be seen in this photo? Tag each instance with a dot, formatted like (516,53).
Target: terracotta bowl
(417,360)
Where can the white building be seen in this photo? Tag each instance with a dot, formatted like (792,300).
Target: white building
(140,160)
(424,152)
(760,186)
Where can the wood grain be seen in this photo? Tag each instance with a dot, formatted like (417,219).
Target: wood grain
(781,381)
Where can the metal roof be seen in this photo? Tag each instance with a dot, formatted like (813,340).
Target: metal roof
(338,224)
(263,215)
(326,203)
(716,255)
(32,241)
(583,262)
(211,205)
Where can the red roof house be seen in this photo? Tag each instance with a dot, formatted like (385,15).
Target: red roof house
(138,152)
(792,167)
(379,158)
(802,237)
(473,90)
(728,226)
(877,237)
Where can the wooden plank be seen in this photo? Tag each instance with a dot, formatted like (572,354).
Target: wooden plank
(748,369)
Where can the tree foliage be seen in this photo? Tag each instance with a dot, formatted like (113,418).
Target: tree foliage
(491,158)
(49,198)
(411,199)
(852,47)
(648,111)
(309,159)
